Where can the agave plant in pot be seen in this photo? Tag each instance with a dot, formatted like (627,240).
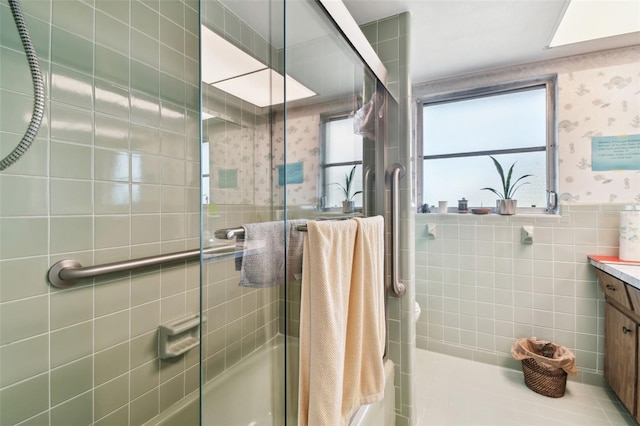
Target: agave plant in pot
(348,205)
(506,204)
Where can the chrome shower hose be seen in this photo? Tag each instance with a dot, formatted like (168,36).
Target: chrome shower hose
(38,89)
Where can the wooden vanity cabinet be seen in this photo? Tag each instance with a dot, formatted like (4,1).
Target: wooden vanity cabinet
(620,355)
(622,345)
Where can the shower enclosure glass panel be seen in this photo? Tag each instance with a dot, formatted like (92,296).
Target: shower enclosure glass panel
(278,69)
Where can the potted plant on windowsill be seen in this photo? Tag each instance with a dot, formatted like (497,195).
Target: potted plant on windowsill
(348,205)
(506,205)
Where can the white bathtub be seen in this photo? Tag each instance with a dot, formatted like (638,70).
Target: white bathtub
(251,393)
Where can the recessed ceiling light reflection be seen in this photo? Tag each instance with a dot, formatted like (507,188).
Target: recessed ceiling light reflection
(264,88)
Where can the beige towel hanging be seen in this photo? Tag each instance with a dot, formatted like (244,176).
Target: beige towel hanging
(341,320)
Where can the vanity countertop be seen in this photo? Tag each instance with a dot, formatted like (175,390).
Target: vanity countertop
(628,272)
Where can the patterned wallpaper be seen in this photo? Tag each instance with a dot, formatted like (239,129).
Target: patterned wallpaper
(598,95)
(597,102)
(303,145)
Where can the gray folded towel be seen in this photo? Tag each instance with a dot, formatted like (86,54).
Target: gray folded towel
(263,256)
(262,260)
(295,242)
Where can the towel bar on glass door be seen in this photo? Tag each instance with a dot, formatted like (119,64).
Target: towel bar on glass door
(66,273)
(395,172)
(229,233)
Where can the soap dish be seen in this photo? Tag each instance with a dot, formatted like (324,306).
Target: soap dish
(481,210)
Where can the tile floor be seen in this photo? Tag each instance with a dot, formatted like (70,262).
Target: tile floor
(455,391)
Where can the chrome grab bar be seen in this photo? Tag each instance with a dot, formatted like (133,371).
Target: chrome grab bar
(365,191)
(228,233)
(395,172)
(67,273)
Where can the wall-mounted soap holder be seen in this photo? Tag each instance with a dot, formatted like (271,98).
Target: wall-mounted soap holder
(179,336)
(526,235)
(432,231)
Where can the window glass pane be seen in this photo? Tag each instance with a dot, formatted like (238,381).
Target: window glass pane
(341,143)
(512,120)
(451,179)
(334,193)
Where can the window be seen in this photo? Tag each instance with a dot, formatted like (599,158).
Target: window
(342,150)
(514,123)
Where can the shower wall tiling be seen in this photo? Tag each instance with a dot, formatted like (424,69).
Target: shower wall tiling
(113,174)
(481,287)
(390,39)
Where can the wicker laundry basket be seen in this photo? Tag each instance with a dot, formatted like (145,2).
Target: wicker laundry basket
(544,379)
(545,365)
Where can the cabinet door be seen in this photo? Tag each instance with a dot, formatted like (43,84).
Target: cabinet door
(614,288)
(620,359)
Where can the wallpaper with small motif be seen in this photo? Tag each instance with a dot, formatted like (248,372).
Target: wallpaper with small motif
(603,101)
(303,146)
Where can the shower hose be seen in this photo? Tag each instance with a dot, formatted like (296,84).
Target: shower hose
(38,89)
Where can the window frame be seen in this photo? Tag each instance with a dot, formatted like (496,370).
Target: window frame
(324,119)
(549,82)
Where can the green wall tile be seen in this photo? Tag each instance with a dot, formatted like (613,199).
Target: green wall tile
(111,99)
(111,396)
(26,272)
(71,197)
(71,307)
(71,380)
(111,198)
(145,49)
(23,196)
(111,132)
(145,139)
(71,343)
(73,16)
(71,87)
(12,360)
(117,9)
(171,34)
(16,114)
(145,198)
(78,410)
(111,231)
(23,237)
(145,407)
(172,62)
(172,89)
(145,19)
(112,34)
(111,330)
(22,319)
(112,66)
(71,51)
(71,161)
(111,165)
(14,72)
(144,78)
(15,407)
(174,11)
(71,234)
(145,109)
(146,168)
(70,124)
(111,363)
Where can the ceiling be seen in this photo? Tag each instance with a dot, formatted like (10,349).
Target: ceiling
(455,37)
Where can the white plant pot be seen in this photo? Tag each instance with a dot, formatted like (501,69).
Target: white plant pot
(348,206)
(506,207)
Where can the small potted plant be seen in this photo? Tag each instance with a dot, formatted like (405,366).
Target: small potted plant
(348,205)
(506,205)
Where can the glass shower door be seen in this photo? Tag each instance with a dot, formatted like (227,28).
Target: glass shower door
(274,74)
